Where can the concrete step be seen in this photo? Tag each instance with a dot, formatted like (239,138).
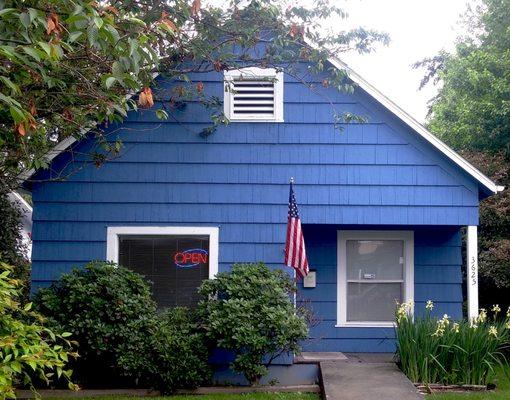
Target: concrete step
(347,380)
(310,357)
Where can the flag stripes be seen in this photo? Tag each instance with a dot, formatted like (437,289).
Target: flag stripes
(295,252)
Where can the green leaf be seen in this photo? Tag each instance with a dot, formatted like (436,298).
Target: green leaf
(117,69)
(161,114)
(9,52)
(113,34)
(93,34)
(25,19)
(14,88)
(15,366)
(99,22)
(7,11)
(75,18)
(34,53)
(46,47)
(73,36)
(133,46)
(33,14)
(110,81)
(121,110)
(137,21)
(17,114)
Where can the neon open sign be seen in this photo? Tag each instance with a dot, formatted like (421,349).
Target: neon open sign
(191,258)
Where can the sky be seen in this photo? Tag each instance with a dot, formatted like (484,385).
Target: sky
(417,29)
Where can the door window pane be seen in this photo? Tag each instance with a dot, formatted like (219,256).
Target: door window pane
(174,265)
(372,301)
(375,259)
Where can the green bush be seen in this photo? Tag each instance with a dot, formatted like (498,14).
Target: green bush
(179,353)
(249,311)
(27,347)
(432,350)
(110,312)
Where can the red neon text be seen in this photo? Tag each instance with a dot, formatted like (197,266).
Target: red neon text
(186,258)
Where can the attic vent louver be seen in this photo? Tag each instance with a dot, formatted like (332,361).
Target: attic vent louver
(254,94)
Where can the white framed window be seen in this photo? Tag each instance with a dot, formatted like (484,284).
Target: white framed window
(175,260)
(253,95)
(375,271)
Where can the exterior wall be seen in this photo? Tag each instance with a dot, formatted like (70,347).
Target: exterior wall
(371,174)
(438,277)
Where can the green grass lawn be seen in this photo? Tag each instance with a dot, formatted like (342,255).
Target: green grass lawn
(502,391)
(251,396)
(245,396)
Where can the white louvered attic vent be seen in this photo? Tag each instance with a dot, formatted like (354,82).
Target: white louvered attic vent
(254,95)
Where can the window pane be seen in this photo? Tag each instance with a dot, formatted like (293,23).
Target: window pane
(175,265)
(372,301)
(375,259)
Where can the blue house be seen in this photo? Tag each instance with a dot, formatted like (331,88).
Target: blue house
(383,203)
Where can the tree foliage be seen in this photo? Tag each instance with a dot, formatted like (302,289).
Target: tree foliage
(494,220)
(472,113)
(65,66)
(249,311)
(27,346)
(472,108)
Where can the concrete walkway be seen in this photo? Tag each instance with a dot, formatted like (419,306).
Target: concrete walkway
(356,379)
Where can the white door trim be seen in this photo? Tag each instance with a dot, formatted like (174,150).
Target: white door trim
(342,237)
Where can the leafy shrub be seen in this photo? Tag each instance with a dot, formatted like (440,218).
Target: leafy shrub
(110,312)
(249,312)
(27,347)
(432,350)
(178,351)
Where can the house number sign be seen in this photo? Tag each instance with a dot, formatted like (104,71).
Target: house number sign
(472,268)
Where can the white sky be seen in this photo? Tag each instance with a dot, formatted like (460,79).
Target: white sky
(417,29)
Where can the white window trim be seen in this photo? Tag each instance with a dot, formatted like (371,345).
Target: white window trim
(113,233)
(254,72)
(342,237)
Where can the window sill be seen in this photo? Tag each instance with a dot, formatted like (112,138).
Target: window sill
(366,325)
(232,120)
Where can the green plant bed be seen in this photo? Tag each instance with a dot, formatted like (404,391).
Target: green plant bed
(443,351)
(502,391)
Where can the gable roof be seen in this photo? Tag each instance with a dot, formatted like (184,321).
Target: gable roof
(486,184)
(439,145)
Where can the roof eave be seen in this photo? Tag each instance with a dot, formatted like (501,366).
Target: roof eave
(451,154)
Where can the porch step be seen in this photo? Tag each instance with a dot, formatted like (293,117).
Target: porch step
(316,357)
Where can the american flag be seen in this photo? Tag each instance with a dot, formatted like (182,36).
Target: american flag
(295,253)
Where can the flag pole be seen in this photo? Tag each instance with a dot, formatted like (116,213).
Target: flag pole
(294,270)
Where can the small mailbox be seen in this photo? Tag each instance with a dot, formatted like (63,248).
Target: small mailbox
(309,281)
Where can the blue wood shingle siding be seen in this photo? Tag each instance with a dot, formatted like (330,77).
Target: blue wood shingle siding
(373,174)
(437,267)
